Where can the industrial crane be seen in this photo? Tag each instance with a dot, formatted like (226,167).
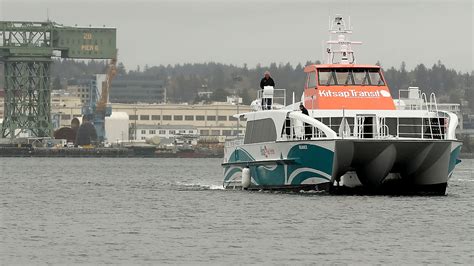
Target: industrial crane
(97,110)
(26,50)
(106,85)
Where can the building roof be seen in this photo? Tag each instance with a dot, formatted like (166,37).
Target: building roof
(219,105)
(118,116)
(165,127)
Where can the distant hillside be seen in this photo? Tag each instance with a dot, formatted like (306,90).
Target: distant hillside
(183,82)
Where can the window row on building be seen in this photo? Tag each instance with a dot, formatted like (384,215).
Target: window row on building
(183,117)
(218,132)
(149,132)
(165,132)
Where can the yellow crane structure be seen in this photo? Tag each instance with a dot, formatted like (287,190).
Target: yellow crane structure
(98,110)
(106,85)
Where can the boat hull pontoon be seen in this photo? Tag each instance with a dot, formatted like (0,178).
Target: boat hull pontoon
(368,166)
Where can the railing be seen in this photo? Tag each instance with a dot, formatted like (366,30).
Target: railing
(423,131)
(271,99)
(360,128)
(422,128)
(298,132)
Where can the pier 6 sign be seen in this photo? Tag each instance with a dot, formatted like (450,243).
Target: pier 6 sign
(86,42)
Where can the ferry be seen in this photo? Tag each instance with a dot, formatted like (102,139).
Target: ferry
(355,137)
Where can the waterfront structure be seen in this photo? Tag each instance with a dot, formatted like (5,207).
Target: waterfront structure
(214,119)
(26,48)
(80,88)
(144,132)
(211,119)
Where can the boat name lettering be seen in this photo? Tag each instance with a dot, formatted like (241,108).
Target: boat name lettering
(303,147)
(353,94)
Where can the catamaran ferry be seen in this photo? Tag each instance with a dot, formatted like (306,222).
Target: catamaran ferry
(355,136)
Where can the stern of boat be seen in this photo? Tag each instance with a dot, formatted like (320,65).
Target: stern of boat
(396,166)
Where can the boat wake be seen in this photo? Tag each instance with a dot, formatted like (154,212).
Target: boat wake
(198,186)
(464,180)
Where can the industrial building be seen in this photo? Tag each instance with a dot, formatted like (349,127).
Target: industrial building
(144,132)
(214,119)
(80,88)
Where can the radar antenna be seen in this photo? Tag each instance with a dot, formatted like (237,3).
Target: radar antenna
(339,49)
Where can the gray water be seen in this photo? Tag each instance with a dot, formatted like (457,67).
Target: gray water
(156,211)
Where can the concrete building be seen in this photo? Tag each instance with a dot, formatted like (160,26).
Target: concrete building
(81,89)
(210,119)
(144,132)
(62,105)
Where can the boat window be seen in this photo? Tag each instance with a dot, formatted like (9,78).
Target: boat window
(360,76)
(375,77)
(342,76)
(324,76)
(350,76)
(311,80)
(262,130)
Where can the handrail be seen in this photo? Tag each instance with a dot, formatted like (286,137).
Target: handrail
(433,97)
(276,99)
(425,101)
(316,123)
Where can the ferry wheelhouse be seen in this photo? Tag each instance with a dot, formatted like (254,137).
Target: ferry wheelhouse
(356,137)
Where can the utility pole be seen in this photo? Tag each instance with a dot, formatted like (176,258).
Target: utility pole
(238,118)
(135,134)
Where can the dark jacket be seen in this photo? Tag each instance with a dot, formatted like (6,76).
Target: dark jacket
(305,111)
(86,134)
(267,82)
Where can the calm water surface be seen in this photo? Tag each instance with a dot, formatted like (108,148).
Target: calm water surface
(155,211)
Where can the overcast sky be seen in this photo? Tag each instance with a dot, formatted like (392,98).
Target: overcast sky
(243,31)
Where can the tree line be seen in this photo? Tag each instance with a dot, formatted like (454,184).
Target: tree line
(184,81)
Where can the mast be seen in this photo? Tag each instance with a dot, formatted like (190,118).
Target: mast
(339,47)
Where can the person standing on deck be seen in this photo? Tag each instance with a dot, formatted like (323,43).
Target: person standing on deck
(266,81)
(307,128)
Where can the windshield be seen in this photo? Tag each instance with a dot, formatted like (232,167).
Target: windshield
(350,76)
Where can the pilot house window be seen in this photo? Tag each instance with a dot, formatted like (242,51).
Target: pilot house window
(312,80)
(350,76)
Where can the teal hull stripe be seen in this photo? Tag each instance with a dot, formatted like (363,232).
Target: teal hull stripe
(315,158)
(453,159)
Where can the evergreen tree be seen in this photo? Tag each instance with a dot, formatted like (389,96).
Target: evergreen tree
(121,71)
(219,95)
(56,84)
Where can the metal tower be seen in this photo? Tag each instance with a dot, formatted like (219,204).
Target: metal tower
(26,49)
